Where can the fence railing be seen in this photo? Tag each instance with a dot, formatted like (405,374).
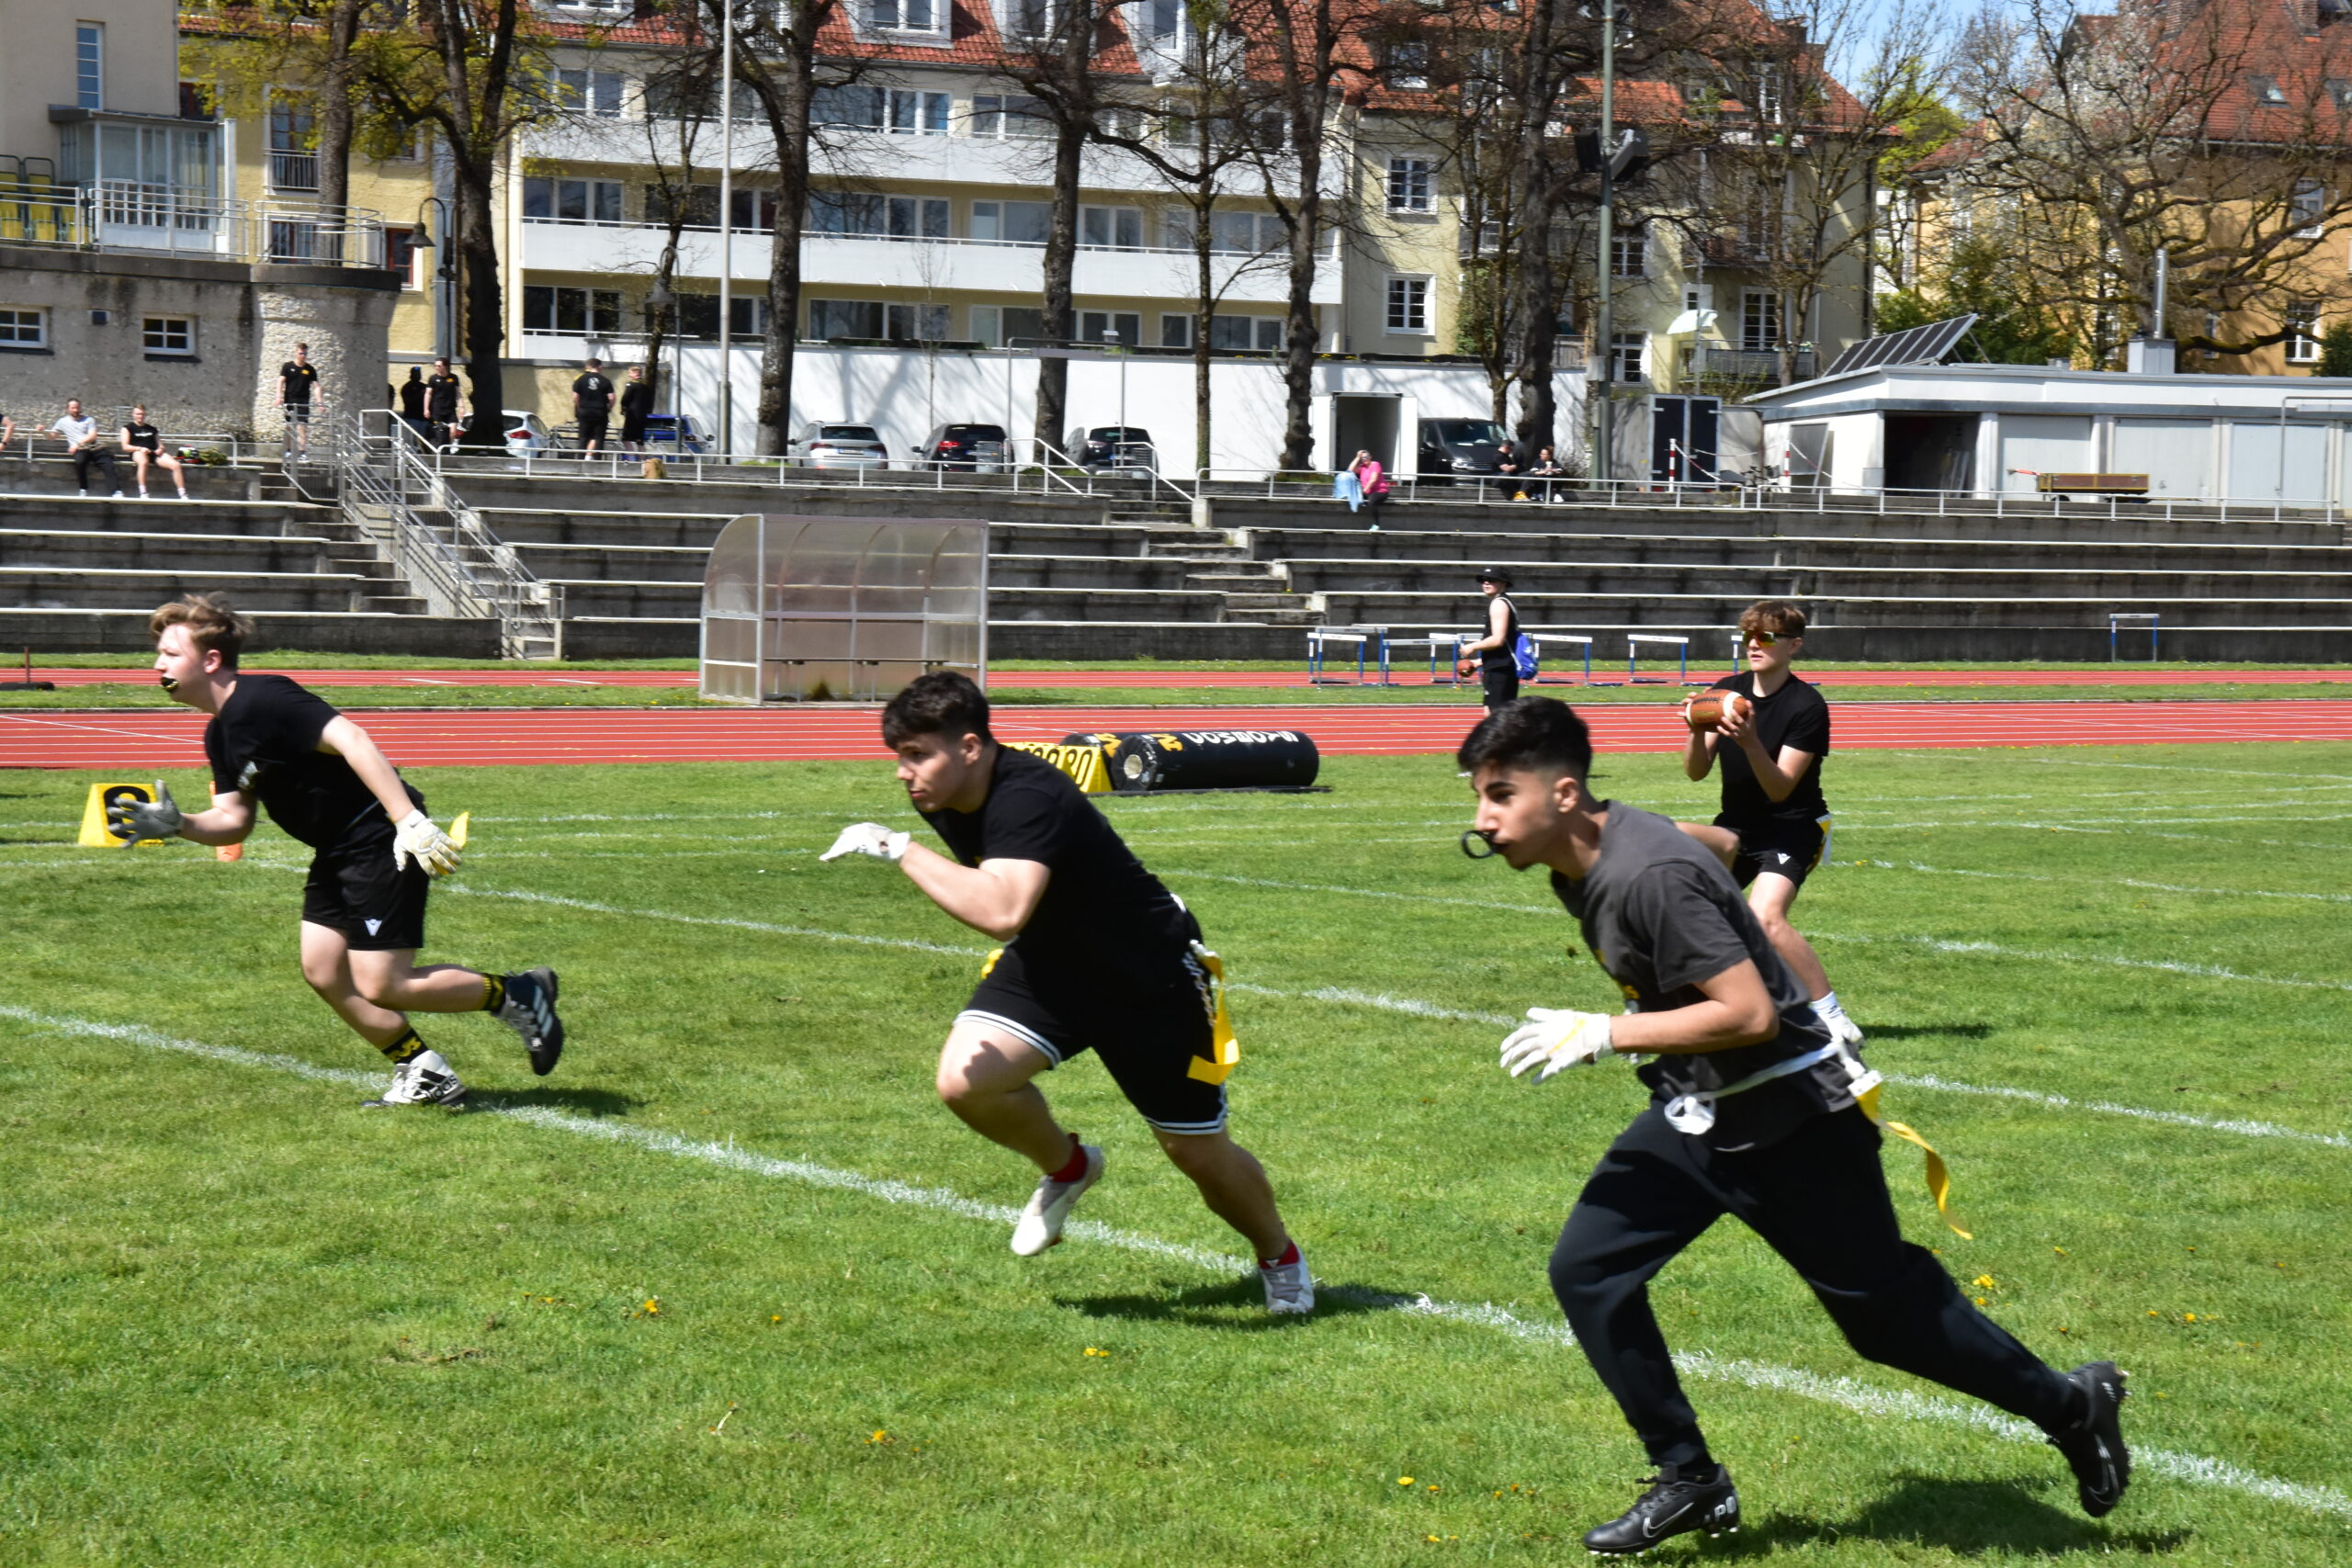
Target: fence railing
(123,215)
(293,171)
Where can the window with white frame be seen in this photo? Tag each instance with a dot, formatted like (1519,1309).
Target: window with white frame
(1238,334)
(1175,331)
(1009,114)
(1409,304)
(1409,186)
(89,65)
(2306,206)
(585,90)
(1031,19)
(168,337)
(1629,251)
(1760,320)
(23,327)
(1012,222)
(2302,324)
(1408,64)
(546,308)
(926,18)
(400,256)
(1230,232)
(844,317)
(1125,327)
(1111,228)
(870,216)
(916,324)
(1627,351)
(546,200)
(2266,90)
(988,325)
(910,112)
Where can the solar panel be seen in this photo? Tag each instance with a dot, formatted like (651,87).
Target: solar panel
(1913,345)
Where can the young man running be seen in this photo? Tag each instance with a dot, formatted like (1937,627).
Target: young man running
(1753,1113)
(1097,955)
(362,908)
(1772,796)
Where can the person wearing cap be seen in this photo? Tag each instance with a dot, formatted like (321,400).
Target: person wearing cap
(1491,656)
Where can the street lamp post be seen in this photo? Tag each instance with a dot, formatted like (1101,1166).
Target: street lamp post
(1111,340)
(1604,327)
(445,276)
(726,433)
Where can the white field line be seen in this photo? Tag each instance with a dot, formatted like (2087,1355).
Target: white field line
(1845,1393)
(1414,1007)
(2043,955)
(2112,882)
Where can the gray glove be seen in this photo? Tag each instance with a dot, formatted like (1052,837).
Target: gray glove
(133,820)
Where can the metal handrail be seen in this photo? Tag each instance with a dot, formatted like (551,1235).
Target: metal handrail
(132,216)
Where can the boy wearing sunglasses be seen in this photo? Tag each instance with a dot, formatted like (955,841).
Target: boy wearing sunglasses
(1771,765)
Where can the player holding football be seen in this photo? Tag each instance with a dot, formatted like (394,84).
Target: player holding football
(326,783)
(1756,1111)
(1097,955)
(1772,796)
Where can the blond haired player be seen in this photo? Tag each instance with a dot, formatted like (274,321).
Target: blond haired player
(327,785)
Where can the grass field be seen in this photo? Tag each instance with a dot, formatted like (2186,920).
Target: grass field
(665,1308)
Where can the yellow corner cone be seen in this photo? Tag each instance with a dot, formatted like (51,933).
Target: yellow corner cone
(94,835)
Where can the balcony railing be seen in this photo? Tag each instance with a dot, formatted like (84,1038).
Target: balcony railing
(293,171)
(1278,255)
(1755,367)
(133,216)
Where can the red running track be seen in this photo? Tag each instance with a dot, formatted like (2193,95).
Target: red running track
(170,738)
(509,675)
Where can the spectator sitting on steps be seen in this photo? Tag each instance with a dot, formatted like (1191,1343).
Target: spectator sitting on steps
(80,434)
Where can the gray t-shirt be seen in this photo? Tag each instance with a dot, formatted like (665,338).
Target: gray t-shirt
(1661,914)
(74,431)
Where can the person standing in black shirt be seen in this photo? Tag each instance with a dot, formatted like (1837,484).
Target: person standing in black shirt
(441,391)
(591,405)
(145,444)
(298,378)
(411,394)
(1771,786)
(375,851)
(1495,657)
(1756,1111)
(637,402)
(1096,955)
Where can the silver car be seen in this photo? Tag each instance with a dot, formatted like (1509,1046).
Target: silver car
(820,444)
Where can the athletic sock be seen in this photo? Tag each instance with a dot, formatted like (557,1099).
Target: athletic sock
(406,1046)
(1075,1169)
(494,993)
(1290,1256)
(1827,1005)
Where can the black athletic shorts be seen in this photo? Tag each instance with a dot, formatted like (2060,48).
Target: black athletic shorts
(1790,848)
(354,889)
(298,414)
(1149,1033)
(1501,684)
(592,427)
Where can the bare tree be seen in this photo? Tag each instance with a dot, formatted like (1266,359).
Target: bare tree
(680,98)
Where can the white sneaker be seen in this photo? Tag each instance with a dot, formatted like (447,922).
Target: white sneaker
(120,496)
(1049,1206)
(423,1080)
(1843,1029)
(1290,1289)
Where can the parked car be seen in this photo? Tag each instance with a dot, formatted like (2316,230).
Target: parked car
(1466,447)
(1112,446)
(821,444)
(963,447)
(678,430)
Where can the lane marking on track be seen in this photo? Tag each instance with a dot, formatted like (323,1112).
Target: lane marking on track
(1843,1393)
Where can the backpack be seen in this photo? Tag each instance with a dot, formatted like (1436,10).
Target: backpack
(1524,657)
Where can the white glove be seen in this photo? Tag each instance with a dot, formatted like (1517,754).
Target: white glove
(868,839)
(134,821)
(414,837)
(1556,1039)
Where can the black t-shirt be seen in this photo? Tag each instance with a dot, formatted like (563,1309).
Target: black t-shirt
(441,395)
(1794,716)
(296,381)
(412,400)
(637,400)
(264,742)
(142,436)
(1503,658)
(1661,914)
(596,394)
(1103,917)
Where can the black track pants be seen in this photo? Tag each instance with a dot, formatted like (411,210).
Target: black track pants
(1818,1198)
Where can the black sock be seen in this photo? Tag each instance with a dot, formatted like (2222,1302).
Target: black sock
(494,993)
(405,1047)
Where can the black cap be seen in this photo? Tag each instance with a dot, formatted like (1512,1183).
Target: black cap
(1495,574)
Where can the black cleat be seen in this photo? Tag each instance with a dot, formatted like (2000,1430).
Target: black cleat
(1673,1505)
(2093,1443)
(529,1011)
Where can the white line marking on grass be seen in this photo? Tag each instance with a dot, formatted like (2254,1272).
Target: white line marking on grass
(2169,966)
(2111,881)
(2170,1118)
(1845,1393)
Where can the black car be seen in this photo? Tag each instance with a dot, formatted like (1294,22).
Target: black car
(1470,448)
(1114,447)
(963,447)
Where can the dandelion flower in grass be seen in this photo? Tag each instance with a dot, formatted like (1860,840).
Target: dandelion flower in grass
(1984,1282)
(879,1437)
(1403,1481)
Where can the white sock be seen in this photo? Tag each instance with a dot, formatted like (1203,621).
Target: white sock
(1827,1005)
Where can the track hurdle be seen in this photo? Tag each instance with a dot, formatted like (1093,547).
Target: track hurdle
(1566,639)
(1682,645)
(2114,620)
(1372,642)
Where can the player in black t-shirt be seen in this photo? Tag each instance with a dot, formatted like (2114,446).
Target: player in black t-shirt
(441,391)
(324,783)
(296,379)
(1097,955)
(1494,657)
(637,402)
(145,444)
(591,405)
(1755,1112)
(1772,796)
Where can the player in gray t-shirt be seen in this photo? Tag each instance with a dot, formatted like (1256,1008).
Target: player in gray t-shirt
(1753,1113)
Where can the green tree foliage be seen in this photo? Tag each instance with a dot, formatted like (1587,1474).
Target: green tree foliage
(2335,351)
(1980,278)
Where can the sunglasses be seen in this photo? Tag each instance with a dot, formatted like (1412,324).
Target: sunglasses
(1761,639)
